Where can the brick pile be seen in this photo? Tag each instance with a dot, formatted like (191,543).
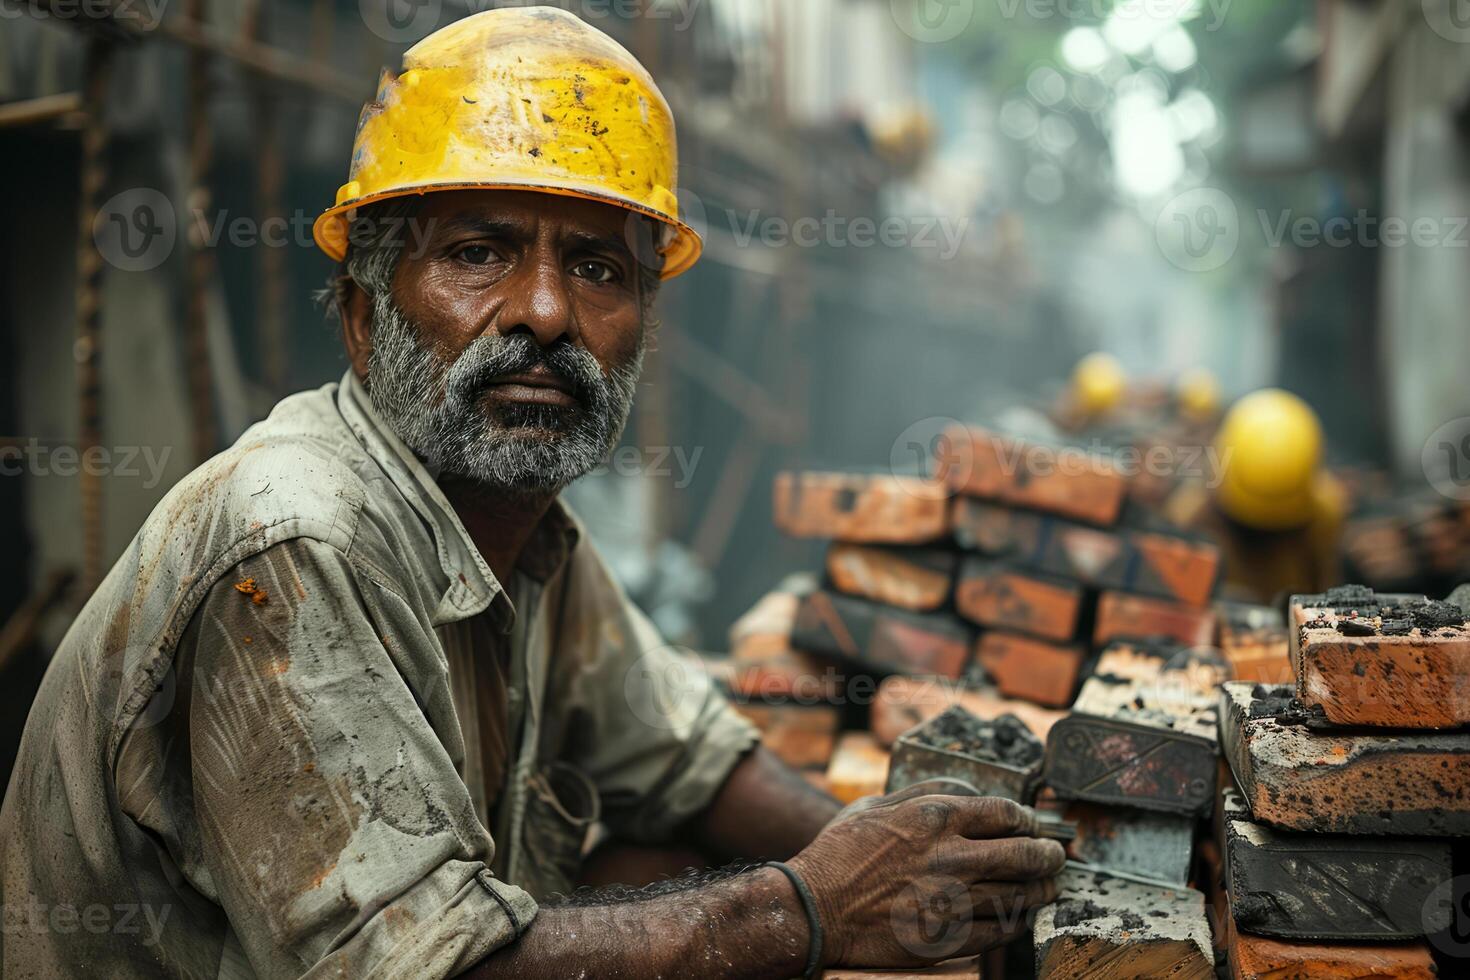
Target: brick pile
(1334,844)
(1016,628)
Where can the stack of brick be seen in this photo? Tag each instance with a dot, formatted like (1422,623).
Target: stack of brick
(1052,572)
(1334,839)
(1414,543)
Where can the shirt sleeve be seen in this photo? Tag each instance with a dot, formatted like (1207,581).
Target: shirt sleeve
(660,737)
(335,831)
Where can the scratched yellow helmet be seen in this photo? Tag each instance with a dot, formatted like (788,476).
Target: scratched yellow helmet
(1198,394)
(519,98)
(1098,384)
(1269,447)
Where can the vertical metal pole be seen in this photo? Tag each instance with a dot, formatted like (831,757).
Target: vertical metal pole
(88,347)
(201,261)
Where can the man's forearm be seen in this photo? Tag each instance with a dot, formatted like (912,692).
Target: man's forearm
(749,925)
(764,810)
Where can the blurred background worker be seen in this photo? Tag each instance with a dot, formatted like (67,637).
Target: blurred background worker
(1272,507)
(1098,388)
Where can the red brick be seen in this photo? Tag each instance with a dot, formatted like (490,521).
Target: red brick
(861,508)
(1255,642)
(1260,958)
(903,702)
(1348,782)
(1001,597)
(802,736)
(764,665)
(881,638)
(859,767)
(911,578)
(1109,929)
(1419,679)
(1035,670)
(1056,480)
(1164,665)
(1123,616)
(1153,562)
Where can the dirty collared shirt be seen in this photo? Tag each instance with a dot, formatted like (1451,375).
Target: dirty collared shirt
(302,730)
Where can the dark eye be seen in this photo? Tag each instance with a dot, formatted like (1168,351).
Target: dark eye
(595,271)
(475,254)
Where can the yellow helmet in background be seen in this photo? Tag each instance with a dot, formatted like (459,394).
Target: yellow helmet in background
(519,98)
(1098,384)
(1269,447)
(1198,394)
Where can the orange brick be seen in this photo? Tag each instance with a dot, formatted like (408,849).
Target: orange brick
(1367,660)
(1255,643)
(998,596)
(802,736)
(1056,480)
(903,702)
(1160,563)
(764,665)
(1104,928)
(881,638)
(1123,616)
(859,767)
(1035,670)
(911,578)
(1347,782)
(861,508)
(1259,958)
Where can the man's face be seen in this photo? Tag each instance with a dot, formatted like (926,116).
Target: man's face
(509,347)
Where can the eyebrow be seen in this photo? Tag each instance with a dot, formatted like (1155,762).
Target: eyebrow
(517,231)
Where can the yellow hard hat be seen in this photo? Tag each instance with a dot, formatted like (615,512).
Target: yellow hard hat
(1198,394)
(519,98)
(1098,383)
(1269,447)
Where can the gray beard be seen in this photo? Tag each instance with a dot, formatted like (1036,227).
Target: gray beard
(524,450)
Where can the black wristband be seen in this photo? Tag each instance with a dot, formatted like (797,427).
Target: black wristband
(814,921)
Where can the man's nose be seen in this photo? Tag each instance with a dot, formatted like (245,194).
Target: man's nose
(538,301)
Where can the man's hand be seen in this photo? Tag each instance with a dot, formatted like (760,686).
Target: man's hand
(910,879)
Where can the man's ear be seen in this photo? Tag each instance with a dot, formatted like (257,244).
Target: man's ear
(356,309)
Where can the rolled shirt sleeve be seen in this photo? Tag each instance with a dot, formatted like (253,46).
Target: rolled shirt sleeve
(661,739)
(335,830)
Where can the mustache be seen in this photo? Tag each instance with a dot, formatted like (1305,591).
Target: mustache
(488,359)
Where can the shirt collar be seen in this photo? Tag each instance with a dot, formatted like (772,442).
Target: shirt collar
(470,587)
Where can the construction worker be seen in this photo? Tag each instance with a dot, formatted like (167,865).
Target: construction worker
(1095,391)
(355,695)
(1275,511)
